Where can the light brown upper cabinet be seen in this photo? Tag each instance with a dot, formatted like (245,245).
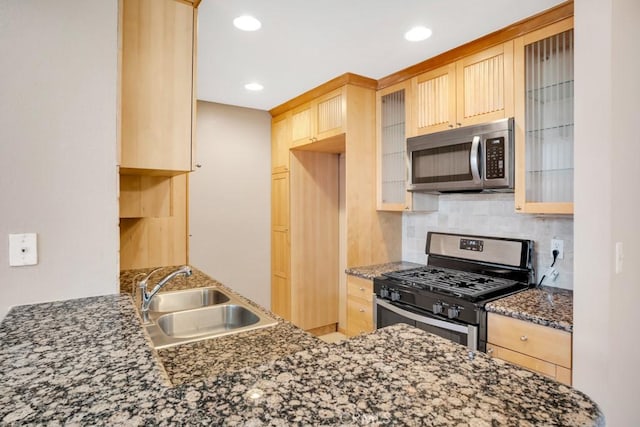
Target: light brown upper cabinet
(158,56)
(544,120)
(280,140)
(475,89)
(319,119)
(391,116)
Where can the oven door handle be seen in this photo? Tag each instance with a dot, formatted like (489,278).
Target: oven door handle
(423,319)
(474,159)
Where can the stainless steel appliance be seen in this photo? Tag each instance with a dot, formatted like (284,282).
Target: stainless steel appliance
(471,158)
(447,296)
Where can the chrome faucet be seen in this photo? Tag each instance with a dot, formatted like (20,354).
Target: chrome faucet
(146,296)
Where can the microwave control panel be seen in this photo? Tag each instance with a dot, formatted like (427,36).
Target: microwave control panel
(495,158)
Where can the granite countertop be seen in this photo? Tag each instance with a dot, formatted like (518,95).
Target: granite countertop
(89,361)
(545,306)
(371,271)
(187,362)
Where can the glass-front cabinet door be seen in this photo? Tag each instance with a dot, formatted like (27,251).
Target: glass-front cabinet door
(392,153)
(543,72)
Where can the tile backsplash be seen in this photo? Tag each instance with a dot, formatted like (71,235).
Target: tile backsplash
(492,215)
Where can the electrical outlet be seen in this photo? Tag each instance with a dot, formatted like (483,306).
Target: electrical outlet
(23,249)
(557,244)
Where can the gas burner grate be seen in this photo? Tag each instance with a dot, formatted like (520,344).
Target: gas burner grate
(452,281)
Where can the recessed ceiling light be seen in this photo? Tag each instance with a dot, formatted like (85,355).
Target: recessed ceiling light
(417,34)
(255,87)
(247,23)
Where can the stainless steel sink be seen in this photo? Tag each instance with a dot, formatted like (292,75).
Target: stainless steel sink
(186,300)
(191,315)
(206,321)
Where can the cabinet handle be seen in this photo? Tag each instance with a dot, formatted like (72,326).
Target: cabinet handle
(362,310)
(198,165)
(458,124)
(524,338)
(518,208)
(490,352)
(450,125)
(362,289)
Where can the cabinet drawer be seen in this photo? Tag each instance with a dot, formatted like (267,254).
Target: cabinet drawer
(360,288)
(359,316)
(548,369)
(537,365)
(541,342)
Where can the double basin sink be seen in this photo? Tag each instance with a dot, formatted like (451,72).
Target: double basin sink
(191,315)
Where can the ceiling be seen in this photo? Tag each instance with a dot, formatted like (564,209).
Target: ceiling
(303,44)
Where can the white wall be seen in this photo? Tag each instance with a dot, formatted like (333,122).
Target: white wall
(230,199)
(492,215)
(607,155)
(58,147)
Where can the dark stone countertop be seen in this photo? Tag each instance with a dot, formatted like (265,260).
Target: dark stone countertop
(371,271)
(545,306)
(88,362)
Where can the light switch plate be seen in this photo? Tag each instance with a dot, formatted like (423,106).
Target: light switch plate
(23,249)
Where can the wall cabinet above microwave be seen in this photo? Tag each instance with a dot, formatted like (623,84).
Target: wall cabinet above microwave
(475,89)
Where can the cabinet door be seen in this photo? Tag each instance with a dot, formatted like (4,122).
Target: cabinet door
(434,101)
(329,113)
(157,83)
(391,146)
(280,246)
(544,120)
(301,125)
(319,119)
(485,85)
(280,140)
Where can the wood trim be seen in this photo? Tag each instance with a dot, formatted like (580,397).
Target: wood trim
(194,90)
(520,28)
(194,3)
(150,172)
(323,330)
(331,85)
(334,144)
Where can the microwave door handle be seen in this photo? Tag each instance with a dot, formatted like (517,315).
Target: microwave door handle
(474,159)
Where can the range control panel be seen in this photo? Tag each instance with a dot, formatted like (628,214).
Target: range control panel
(475,245)
(495,158)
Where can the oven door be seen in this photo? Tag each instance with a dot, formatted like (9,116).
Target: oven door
(388,313)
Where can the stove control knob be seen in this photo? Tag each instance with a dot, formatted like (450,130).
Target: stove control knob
(437,308)
(384,293)
(453,312)
(395,295)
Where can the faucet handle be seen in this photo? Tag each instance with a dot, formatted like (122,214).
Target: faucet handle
(143,283)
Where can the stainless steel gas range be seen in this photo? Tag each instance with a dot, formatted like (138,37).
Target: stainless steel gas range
(447,296)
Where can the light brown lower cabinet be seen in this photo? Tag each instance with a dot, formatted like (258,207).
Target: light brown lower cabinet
(538,348)
(359,306)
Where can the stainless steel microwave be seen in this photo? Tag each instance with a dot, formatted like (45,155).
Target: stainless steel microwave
(470,158)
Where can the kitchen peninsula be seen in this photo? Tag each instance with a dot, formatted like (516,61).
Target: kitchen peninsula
(88,361)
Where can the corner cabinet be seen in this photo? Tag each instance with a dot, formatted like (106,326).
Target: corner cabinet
(544,120)
(324,214)
(156,129)
(158,72)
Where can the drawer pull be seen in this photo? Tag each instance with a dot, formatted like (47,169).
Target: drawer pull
(362,289)
(362,310)
(524,338)
(490,352)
